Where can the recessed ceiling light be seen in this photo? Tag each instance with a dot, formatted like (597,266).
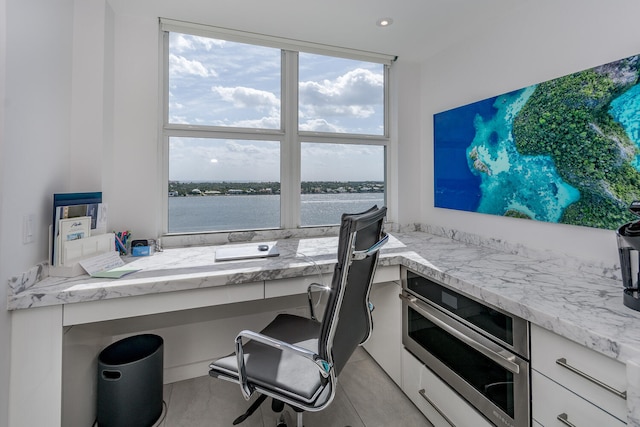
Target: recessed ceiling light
(384,22)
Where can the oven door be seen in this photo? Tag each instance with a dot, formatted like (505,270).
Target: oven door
(493,379)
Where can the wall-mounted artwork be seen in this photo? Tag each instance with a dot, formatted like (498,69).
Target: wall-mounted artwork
(566,150)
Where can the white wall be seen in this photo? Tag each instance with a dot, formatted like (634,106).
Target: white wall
(409,146)
(34,147)
(542,40)
(5,322)
(134,203)
(91,88)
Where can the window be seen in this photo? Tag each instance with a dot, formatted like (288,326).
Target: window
(260,133)
(204,171)
(222,83)
(340,95)
(355,184)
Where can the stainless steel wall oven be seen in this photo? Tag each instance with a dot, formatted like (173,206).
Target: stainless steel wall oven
(479,350)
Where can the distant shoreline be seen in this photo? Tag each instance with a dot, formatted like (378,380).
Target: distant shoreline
(191,188)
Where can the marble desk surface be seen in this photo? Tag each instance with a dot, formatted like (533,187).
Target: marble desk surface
(582,304)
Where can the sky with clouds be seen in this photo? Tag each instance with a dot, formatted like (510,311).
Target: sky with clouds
(220,83)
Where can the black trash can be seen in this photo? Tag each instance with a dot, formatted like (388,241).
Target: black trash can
(130,382)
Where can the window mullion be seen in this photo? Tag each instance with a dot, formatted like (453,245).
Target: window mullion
(290,152)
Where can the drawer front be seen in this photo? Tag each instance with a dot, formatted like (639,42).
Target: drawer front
(388,273)
(570,364)
(550,401)
(294,286)
(298,285)
(440,404)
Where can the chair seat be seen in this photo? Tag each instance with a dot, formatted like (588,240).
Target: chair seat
(272,369)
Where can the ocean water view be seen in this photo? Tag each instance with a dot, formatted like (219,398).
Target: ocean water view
(246,212)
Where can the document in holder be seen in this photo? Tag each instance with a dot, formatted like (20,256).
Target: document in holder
(108,265)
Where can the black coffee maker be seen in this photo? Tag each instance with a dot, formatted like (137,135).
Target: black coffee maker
(628,237)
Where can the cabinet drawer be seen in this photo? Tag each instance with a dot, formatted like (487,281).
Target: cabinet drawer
(298,285)
(550,400)
(569,364)
(427,392)
(294,286)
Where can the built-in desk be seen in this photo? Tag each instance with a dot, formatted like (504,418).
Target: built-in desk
(60,324)
(51,317)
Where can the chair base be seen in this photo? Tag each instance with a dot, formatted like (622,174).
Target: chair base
(284,420)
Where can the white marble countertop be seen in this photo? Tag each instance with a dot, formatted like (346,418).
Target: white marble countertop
(578,303)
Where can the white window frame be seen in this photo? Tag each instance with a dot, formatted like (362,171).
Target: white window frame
(289,136)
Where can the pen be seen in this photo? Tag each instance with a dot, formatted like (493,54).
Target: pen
(123,248)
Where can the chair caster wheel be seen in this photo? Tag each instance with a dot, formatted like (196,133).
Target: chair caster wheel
(281,421)
(284,420)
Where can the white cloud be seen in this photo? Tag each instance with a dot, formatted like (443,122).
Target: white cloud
(190,159)
(184,42)
(343,162)
(355,93)
(246,97)
(271,122)
(179,65)
(319,125)
(178,120)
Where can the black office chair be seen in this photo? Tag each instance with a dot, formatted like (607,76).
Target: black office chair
(297,360)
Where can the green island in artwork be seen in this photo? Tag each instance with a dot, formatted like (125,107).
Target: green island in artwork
(569,120)
(566,150)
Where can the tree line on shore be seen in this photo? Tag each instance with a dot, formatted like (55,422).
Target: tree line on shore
(179,188)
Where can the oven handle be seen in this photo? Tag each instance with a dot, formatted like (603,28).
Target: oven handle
(481,348)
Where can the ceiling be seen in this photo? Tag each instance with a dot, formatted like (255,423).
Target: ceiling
(420,29)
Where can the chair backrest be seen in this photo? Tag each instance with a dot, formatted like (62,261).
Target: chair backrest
(347,322)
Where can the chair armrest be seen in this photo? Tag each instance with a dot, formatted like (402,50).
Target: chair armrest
(360,255)
(323,366)
(310,288)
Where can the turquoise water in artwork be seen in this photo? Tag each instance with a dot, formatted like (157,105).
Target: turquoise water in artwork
(507,180)
(625,109)
(527,184)
(477,167)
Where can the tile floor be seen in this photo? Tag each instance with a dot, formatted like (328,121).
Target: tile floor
(366,396)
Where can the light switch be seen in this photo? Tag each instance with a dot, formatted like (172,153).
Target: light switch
(28,232)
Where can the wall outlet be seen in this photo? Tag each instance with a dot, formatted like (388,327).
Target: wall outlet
(28,229)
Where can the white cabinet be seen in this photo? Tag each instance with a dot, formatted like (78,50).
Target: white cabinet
(435,399)
(574,383)
(554,405)
(385,342)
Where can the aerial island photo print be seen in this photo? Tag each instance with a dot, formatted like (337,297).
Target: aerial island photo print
(566,150)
